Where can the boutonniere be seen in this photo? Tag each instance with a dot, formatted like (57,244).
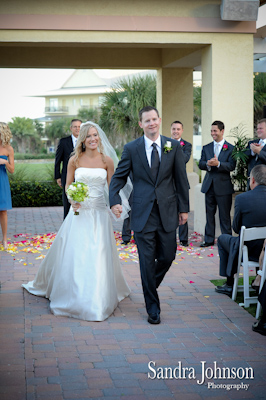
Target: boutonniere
(225,147)
(168,147)
(182,143)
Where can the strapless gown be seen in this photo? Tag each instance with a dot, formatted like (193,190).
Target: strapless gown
(5,193)
(81,273)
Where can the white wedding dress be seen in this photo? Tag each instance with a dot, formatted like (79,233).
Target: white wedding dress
(81,273)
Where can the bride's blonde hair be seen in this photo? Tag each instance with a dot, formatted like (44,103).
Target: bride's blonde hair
(80,146)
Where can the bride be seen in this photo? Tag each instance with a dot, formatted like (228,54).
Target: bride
(81,273)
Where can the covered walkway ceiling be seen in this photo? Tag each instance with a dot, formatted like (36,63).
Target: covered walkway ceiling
(36,51)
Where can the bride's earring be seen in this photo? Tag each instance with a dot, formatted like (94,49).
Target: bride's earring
(83,147)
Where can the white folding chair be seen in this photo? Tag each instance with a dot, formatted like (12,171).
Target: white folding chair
(247,235)
(262,273)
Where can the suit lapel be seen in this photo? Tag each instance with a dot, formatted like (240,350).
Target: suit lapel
(163,157)
(70,144)
(223,152)
(142,154)
(210,150)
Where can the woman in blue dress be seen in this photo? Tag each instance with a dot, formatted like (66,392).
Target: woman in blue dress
(6,163)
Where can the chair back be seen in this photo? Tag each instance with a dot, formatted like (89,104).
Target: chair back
(247,234)
(254,233)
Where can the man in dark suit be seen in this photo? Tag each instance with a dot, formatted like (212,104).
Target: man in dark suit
(216,159)
(177,130)
(160,201)
(260,326)
(256,150)
(64,149)
(250,212)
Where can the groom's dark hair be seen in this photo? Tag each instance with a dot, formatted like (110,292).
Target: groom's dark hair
(147,109)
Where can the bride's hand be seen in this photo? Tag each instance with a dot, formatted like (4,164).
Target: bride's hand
(117,210)
(75,205)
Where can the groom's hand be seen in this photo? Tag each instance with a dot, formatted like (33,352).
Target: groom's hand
(183,218)
(117,210)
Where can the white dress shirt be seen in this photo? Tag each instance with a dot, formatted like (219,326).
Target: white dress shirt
(148,147)
(74,141)
(221,143)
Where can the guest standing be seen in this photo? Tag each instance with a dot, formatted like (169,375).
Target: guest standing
(6,163)
(64,149)
(216,159)
(177,130)
(256,150)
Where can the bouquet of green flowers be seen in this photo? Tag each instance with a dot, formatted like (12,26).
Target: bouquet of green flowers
(78,192)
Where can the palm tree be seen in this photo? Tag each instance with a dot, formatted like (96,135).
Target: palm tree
(259,95)
(120,108)
(197,107)
(24,132)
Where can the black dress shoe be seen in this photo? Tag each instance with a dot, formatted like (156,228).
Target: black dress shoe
(206,244)
(125,242)
(154,318)
(184,243)
(225,289)
(259,327)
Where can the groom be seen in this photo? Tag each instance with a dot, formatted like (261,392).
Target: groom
(160,202)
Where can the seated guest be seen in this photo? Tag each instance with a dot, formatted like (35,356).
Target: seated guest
(260,326)
(250,212)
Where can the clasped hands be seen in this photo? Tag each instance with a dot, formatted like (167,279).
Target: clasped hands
(117,211)
(213,162)
(255,147)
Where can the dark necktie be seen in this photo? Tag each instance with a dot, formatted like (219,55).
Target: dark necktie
(155,162)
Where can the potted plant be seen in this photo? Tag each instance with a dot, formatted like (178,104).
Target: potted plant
(240,174)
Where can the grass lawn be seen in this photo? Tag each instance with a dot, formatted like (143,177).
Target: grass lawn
(33,171)
(240,295)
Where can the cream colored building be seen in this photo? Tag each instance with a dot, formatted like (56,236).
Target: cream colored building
(83,89)
(174,37)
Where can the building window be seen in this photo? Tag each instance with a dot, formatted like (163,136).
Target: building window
(81,102)
(74,102)
(53,104)
(101,100)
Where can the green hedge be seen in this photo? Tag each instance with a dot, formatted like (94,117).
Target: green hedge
(35,194)
(29,156)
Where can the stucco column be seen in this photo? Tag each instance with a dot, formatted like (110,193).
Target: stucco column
(175,102)
(227,84)
(227,95)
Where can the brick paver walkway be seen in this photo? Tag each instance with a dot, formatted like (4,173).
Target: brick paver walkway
(57,358)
